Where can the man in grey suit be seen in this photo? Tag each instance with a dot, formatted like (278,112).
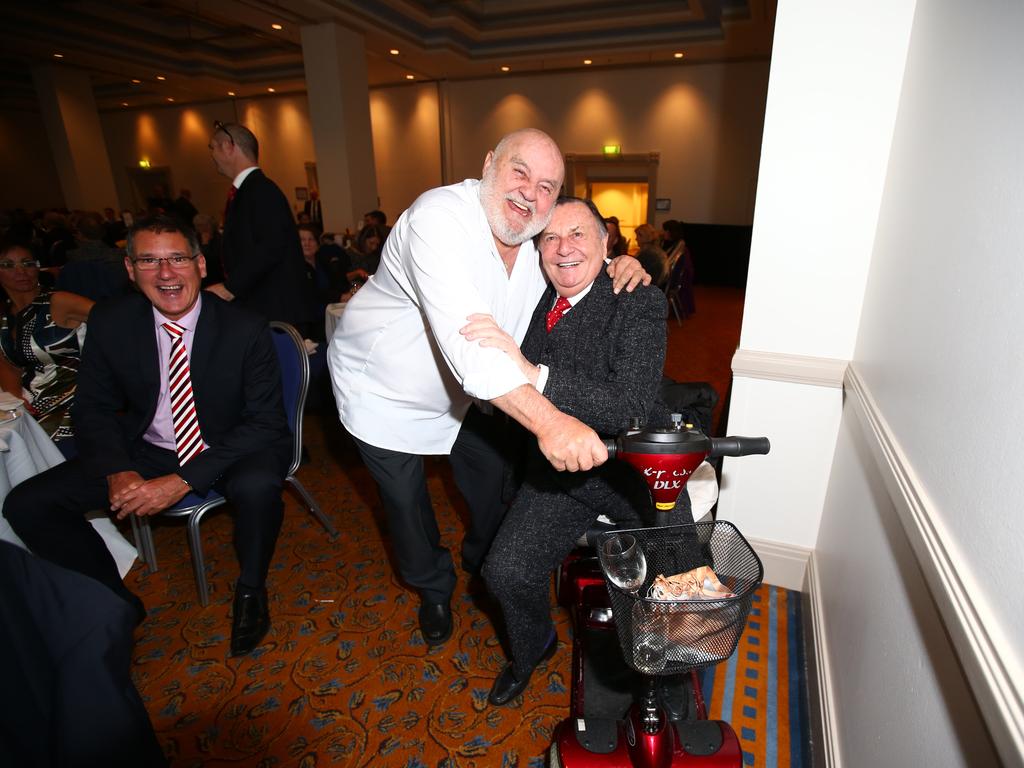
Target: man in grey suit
(597,356)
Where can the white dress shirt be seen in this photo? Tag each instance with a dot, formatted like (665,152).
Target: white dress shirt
(403,375)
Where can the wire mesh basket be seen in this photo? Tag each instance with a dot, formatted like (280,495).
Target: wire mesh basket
(664,637)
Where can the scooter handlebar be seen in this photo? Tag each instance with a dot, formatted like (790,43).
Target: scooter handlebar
(738,446)
(612,445)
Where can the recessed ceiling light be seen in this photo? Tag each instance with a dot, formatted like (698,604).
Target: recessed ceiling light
(271,90)
(170,98)
(231,93)
(160,77)
(278,27)
(410,77)
(393,51)
(124,103)
(58,55)
(135,81)
(587,61)
(678,54)
(505,69)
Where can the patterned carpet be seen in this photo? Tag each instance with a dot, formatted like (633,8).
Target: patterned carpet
(344,678)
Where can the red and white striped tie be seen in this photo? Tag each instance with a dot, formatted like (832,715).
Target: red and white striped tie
(187,438)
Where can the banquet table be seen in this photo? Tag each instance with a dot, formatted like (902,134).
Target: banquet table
(26,450)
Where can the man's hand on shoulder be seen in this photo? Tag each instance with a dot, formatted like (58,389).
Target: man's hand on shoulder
(131,495)
(626,272)
(219,289)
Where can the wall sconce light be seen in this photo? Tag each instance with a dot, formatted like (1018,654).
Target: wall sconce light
(143,163)
(612,149)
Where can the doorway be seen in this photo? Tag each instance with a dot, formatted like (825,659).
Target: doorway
(624,186)
(625,200)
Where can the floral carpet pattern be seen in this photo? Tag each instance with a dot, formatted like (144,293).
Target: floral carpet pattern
(344,677)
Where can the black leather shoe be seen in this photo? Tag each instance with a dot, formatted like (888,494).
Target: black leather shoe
(250,621)
(435,622)
(507,686)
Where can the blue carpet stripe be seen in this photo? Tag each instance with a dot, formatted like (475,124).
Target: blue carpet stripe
(771,742)
(728,687)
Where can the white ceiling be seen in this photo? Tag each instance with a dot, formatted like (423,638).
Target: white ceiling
(206,49)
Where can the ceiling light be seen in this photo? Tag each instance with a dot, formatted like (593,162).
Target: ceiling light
(124,103)
(393,51)
(505,69)
(58,55)
(135,81)
(678,54)
(271,90)
(278,27)
(160,77)
(170,98)
(231,93)
(410,77)
(587,61)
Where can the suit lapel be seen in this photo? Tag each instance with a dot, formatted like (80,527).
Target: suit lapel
(202,344)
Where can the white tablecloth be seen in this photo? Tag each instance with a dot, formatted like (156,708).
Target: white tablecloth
(331,317)
(26,450)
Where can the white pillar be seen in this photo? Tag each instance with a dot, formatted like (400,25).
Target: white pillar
(339,110)
(76,138)
(832,100)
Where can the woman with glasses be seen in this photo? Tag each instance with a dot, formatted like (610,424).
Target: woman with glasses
(41,337)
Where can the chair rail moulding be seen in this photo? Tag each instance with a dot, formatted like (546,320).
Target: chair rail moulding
(985,651)
(796,369)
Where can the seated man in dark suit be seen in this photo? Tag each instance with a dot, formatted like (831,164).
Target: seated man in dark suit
(595,355)
(177,391)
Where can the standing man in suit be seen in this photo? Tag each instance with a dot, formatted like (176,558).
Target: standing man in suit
(178,391)
(597,356)
(313,208)
(405,380)
(263,264)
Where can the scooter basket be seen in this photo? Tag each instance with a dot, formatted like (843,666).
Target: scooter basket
(664,637)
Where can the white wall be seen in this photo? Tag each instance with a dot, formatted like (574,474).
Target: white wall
(177,137)
(900,694)
(406,144)
(936,354)
(832,100)
(705,120)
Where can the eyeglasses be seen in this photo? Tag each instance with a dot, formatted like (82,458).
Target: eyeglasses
(27,264)
(150,263)
(219,126)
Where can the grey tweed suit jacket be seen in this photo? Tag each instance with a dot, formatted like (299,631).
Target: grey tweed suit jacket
(605,359)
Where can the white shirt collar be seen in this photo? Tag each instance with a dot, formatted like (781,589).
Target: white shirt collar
(243,176)
(574,300)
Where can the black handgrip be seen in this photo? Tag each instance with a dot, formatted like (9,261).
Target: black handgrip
(738,446)
(612,445)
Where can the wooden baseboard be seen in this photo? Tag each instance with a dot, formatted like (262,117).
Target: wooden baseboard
(825,751)
(784,564)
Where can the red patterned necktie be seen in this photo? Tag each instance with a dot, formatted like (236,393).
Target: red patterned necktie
(560,308)
(188,440)
(231,199)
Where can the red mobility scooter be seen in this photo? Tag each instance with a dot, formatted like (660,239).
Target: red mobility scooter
(636,699)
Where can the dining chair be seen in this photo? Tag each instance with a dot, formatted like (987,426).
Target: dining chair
(294,364)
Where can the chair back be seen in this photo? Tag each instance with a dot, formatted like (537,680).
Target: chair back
(294,364)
